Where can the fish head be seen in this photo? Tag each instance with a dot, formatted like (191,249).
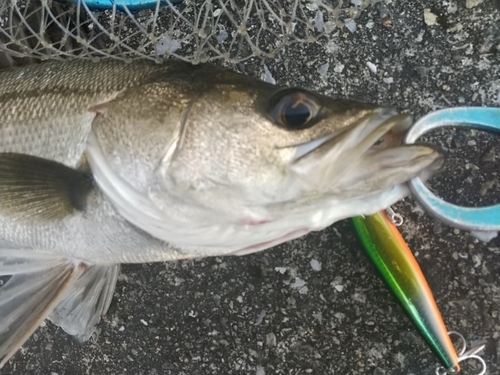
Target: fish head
(257,145)
(250,137)
(216,146)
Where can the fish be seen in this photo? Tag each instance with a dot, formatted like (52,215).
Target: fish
(105,163)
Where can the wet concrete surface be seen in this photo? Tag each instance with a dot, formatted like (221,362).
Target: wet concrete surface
(316,305)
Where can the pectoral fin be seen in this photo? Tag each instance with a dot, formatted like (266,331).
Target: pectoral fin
(37,188)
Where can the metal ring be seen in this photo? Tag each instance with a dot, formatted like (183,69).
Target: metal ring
(396,219)
(472,219)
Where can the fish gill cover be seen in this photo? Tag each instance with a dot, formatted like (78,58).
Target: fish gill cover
(195,30)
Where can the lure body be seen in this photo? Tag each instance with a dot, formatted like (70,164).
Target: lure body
(398,267)
(131,5)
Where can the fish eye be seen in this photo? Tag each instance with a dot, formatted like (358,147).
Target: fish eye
(294,109)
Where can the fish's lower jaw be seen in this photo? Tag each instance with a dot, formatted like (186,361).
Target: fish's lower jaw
(375,171)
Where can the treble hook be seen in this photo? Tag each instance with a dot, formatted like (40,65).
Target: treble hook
(463,355)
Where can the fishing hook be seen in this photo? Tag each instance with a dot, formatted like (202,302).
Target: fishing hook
(463,355)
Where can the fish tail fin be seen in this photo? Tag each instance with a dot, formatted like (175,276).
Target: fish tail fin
(86,301)
(36,285)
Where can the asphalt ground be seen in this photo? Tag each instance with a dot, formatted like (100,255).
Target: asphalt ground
(316,305)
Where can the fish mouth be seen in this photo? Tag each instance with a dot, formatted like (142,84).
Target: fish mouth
(374,127)
(369,150)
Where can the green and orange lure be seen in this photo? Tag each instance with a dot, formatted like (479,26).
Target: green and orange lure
(396,263)
(398,267)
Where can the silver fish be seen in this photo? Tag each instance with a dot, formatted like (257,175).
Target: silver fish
(108,163)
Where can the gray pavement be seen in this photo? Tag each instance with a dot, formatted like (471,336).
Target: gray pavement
(316,305)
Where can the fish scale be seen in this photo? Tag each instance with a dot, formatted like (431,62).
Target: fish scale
(111,162)
(32,96)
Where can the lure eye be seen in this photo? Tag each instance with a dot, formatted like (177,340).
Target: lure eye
(294,109)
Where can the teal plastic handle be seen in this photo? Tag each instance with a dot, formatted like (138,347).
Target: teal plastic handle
(131,5)
(473,219)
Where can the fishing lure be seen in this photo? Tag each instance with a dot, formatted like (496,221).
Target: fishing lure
(398,267)
(123,5)
(390,254)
